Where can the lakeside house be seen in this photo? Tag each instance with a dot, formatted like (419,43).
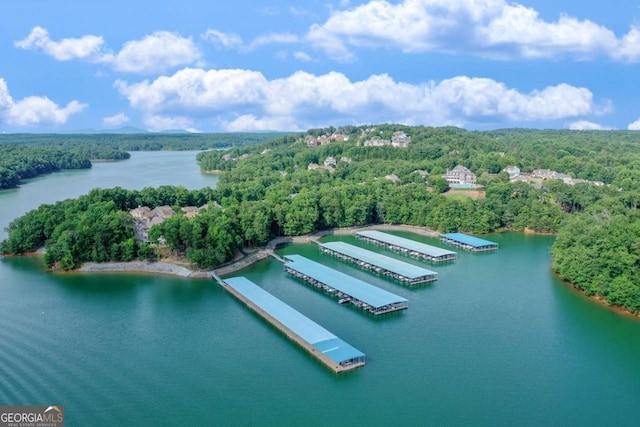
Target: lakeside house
(400,140)
(376,142)
(512,171)
(145,218)
(460,175)
(393,178)
(314,141)
(330,161)
(190,211)
(163,212)
(537,176)
(142,212)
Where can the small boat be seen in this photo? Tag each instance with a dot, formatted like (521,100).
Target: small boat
(343,300)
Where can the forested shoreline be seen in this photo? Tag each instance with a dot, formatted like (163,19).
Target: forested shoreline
(24,156)
(286,187)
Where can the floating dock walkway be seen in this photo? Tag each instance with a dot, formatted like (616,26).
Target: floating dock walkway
(469,243)
(391,267)
(347,288)
(406,246)
(335,353)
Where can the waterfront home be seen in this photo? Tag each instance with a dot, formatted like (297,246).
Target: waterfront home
(163,212)
(460,175)
(512,171)
(330,161)
(190,211)
(400,140)
(141,212)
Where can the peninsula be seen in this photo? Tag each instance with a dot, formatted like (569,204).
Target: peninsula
(580,185)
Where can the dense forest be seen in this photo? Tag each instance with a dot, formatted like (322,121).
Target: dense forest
(294,185)
(140,141)
(25,156)
(18,163)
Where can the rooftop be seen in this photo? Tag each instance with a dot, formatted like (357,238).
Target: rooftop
(390,264)
(342,282)
(327,343)
(406,243)
(468,240)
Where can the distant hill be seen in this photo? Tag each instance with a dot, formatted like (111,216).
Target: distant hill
(175,132)
(122,130)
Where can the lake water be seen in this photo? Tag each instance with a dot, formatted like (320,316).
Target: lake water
(496,341)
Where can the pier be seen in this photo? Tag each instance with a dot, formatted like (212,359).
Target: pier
(406,246)
(469,243)
(335,353)
(382,264)
(345,288)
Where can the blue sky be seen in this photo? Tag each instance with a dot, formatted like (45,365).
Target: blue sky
(281,65)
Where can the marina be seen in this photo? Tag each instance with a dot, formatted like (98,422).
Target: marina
(346,288)
(469,243)
(335,353)
(382,264)
(406,246)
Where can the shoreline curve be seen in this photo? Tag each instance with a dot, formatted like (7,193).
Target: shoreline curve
(168,268)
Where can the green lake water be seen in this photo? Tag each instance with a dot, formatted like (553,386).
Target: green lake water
(497,340)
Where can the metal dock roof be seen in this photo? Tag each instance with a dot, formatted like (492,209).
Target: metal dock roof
(342,282)
(468,240)
(324,341)
(406,243)
(390,264)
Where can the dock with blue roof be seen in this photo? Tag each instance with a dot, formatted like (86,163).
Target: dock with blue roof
(346,288)
(335,353)
(382,264)
(406,246)
(469,243)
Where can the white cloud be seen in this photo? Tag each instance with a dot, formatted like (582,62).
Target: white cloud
(492,28)
(5,98)
(89,47)
(634,126)
(630,45)
(157,52)
(587,125)
(34,110)
(304,100)
(249,122)
(273,38)
(158,123)
(115,120)
(300,12)
(269,11)
(302,56)
(223,40)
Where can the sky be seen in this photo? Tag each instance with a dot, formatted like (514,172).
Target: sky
(213,66)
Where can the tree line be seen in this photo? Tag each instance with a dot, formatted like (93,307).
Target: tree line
(269,190)
(25,156)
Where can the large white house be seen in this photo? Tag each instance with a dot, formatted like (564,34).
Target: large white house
(460,175)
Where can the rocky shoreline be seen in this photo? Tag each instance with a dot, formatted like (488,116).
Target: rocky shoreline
(143,267)
(167,268)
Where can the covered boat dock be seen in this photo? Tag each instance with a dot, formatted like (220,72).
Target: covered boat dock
(391,267)
(328,348)
(346,288)
(406,246)
(469,243)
